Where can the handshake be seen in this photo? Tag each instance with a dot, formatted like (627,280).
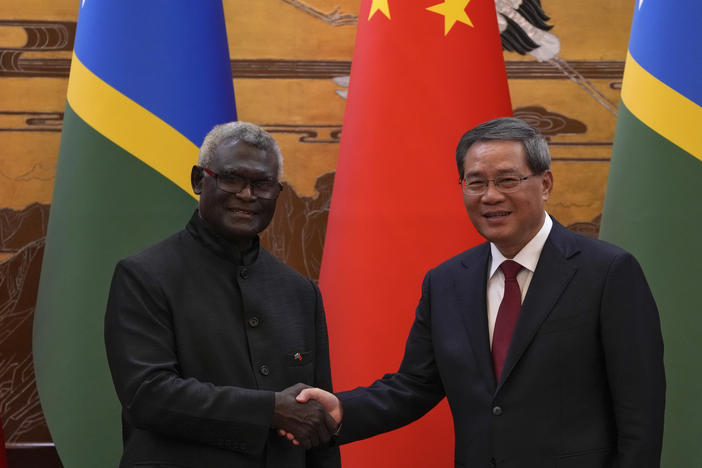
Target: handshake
(306,416)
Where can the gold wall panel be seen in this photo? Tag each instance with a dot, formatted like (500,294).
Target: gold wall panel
(289,60)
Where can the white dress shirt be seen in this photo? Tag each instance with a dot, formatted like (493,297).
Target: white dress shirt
(528,257)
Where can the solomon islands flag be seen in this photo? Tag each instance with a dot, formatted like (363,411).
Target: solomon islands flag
(148,80)
(653,205)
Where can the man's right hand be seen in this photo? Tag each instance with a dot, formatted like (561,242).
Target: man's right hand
(309,422)
(328,400)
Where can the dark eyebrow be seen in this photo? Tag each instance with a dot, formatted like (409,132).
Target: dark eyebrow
(228,174)
(236,174)
(508,172)
(501,172)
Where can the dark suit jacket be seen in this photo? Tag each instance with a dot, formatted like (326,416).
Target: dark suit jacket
(199,336)
(583,381)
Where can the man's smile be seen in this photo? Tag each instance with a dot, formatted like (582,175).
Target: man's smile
(242,212)
(496,214)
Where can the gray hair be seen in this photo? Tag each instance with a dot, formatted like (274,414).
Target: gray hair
(240,131)
(507,129)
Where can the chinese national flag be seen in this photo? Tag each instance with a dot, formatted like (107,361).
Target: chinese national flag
(424,72)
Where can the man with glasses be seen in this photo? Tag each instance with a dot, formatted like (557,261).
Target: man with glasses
(546,343)
(207,333)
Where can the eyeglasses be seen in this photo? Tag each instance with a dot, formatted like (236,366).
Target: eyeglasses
(503,184)
(232,183)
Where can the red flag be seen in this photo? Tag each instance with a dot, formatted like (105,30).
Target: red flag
(3,456)
(423,73)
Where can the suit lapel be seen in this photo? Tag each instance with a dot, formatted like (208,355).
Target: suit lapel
(553,273)
(471,287)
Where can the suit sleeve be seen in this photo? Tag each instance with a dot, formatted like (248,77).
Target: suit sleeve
(142,356)
(405,396)
(322,457)
(633,345)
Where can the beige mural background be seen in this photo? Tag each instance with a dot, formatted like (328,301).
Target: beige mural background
(289,62)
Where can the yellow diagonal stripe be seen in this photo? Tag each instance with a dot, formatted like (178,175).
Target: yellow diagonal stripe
(130,126)
(663,109)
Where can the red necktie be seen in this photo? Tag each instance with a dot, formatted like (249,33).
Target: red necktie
(506,315)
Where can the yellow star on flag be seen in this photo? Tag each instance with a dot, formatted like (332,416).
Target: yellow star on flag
(381,5)
(453,10)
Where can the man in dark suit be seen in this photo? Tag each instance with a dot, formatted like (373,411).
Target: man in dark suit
(206,329)
(546,343)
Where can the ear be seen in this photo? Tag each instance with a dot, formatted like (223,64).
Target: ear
(196,179)
(547,184)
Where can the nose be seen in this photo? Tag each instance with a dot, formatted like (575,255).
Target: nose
(491,193)
(246,193)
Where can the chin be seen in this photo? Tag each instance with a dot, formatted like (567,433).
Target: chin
(242,233)
(493,234)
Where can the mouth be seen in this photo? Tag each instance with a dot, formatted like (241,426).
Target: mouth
(496,215)
(242,212)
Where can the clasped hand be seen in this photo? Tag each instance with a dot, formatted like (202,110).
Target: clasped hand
(306,416)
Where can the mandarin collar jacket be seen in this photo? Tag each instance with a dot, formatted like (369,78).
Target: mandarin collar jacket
(199,336)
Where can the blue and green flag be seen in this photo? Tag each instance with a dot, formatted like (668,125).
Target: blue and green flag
(148,81)
(653,205)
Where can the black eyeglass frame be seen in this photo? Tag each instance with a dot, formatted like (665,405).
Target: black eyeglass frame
(255,186)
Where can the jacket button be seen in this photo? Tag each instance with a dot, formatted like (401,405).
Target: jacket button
(253,322)
(264,370)
(244,273)
(496,410)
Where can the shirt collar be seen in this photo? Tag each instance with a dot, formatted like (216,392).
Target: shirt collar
(528,257)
